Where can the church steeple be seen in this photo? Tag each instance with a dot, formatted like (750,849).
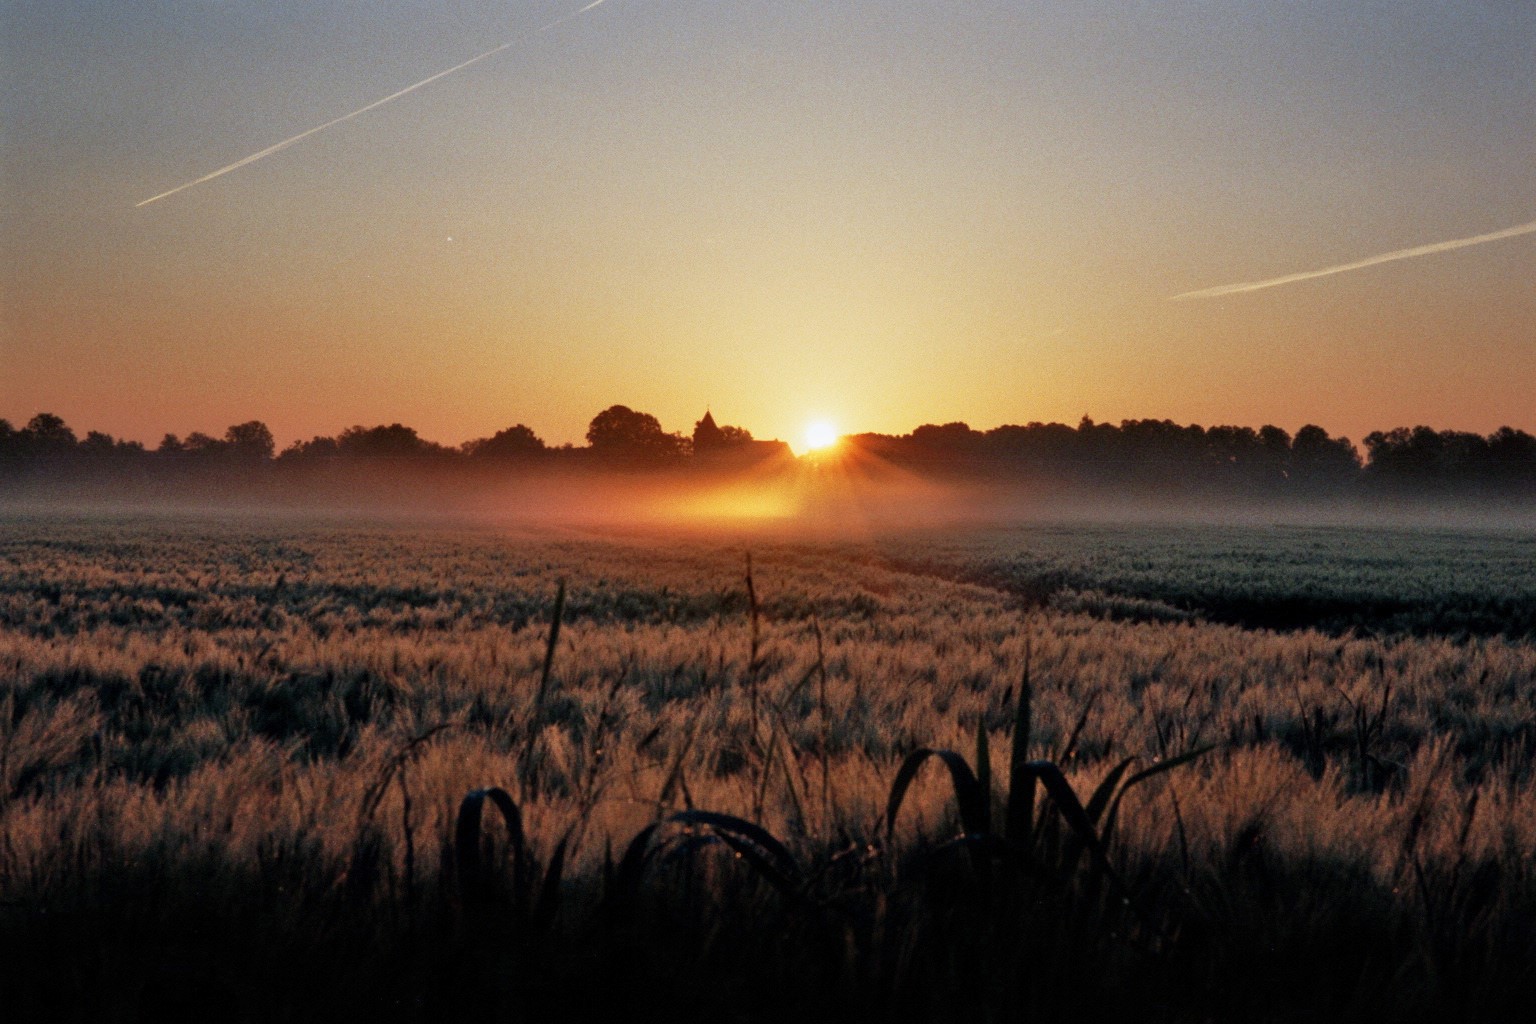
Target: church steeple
(706,434)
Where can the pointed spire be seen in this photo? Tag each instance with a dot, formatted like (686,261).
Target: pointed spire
(706,434)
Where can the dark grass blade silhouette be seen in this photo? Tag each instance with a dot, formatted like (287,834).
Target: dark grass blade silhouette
(756,846)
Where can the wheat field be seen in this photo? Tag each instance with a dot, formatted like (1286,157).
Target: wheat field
(232,753)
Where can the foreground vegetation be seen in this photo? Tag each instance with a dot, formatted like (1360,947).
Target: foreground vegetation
(233,757)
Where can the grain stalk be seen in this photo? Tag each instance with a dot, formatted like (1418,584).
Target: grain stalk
(527,770)
(826,726)
(549,652)
(394,770)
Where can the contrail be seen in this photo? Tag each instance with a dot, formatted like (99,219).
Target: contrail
(376,104)
(1369,261)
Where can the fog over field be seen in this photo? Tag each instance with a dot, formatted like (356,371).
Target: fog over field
(839,497)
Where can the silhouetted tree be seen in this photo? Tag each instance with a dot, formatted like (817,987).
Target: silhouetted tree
(1402,455)
(1320,463)
(1512,459)
(1430,460)
(249,442)
(954,439)
(883,446)
(731,436)
(620,431)
(393,441)
(1228,447)
(1097,452)
(512,443)
(10,444)
(1276,445)
(1154,454)
(47,436)
(202,445)
(314,448)
(1048,448)
(97,444)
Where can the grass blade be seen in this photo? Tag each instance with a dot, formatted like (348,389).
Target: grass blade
(1153,771)
(1077,730)
(730,824)
(1094,811)
(474,880)
(1018,827)
(984,774)
(968,793)
(755,845)
(1106,789)
(549,893)
(1073,813)
(626,879)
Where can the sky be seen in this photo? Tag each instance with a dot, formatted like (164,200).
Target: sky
(875,214)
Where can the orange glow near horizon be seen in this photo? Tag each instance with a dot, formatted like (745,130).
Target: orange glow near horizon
(973,214)
(842,492)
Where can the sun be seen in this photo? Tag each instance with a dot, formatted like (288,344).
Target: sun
(820,435)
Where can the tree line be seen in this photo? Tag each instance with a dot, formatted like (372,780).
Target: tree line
(1143,455)
(617,431)
(1161,455)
